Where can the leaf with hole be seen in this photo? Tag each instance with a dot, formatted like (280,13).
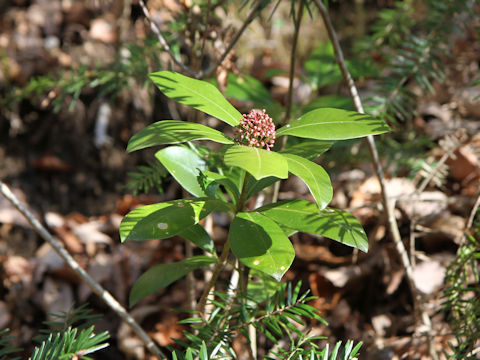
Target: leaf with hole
(304,216)
(261,244)
(160,276)
(174,132)
(258,162)
(314,176)
(163,220)
(198,94)
(334,124)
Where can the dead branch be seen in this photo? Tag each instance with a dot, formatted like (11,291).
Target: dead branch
(389,208)
(111,302)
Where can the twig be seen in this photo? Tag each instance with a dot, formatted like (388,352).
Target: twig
(213,67)
(286,119)
(248,20)
(472,214)
(293,57)
(72,263)
(389,209)
(162,40)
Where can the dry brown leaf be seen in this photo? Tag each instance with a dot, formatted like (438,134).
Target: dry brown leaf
(428,275)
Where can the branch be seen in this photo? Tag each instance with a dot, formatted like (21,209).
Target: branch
(286,119)
(230,46)
(202,74)
(388,206)
(72,263)
(162,40)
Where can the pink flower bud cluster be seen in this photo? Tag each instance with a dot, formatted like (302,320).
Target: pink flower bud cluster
(256,130)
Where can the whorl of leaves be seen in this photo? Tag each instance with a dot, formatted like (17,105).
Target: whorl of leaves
(280,317)
(62,341)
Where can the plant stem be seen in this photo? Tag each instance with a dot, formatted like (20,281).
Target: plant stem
(388,207)
(226,250)
(218,267)
(111,302)
(243,195)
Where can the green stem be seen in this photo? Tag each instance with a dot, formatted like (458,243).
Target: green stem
(224,255)
(243,196)
(218,267)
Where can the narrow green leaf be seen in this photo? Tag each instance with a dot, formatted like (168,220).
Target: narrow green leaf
(174,132)
(334,124)
(184,165)
(163,220)
(261,244)
(304,216)
(198,94)
(163,275)
(258,162)
(314,176)
(197,235)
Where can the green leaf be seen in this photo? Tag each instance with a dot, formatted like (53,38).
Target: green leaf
(334,124)
(314,176)
(258,162)
(163,275)
(261,244)
(174,132)
(310,149)
(198,94)
(197,235)
(304,216)
(184,165)
(211,180)
(254,186)
(163,220)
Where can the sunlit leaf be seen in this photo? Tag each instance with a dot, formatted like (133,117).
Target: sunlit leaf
(258,162)
(174,132)
(304,216)
(314,176)
(163,220)
(334,124)
(198,94)
(184,165)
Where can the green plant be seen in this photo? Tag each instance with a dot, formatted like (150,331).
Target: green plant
(461,300)
(61,340)
(224,180)
(409,42)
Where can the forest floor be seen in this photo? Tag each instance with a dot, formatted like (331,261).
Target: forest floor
(73,176)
